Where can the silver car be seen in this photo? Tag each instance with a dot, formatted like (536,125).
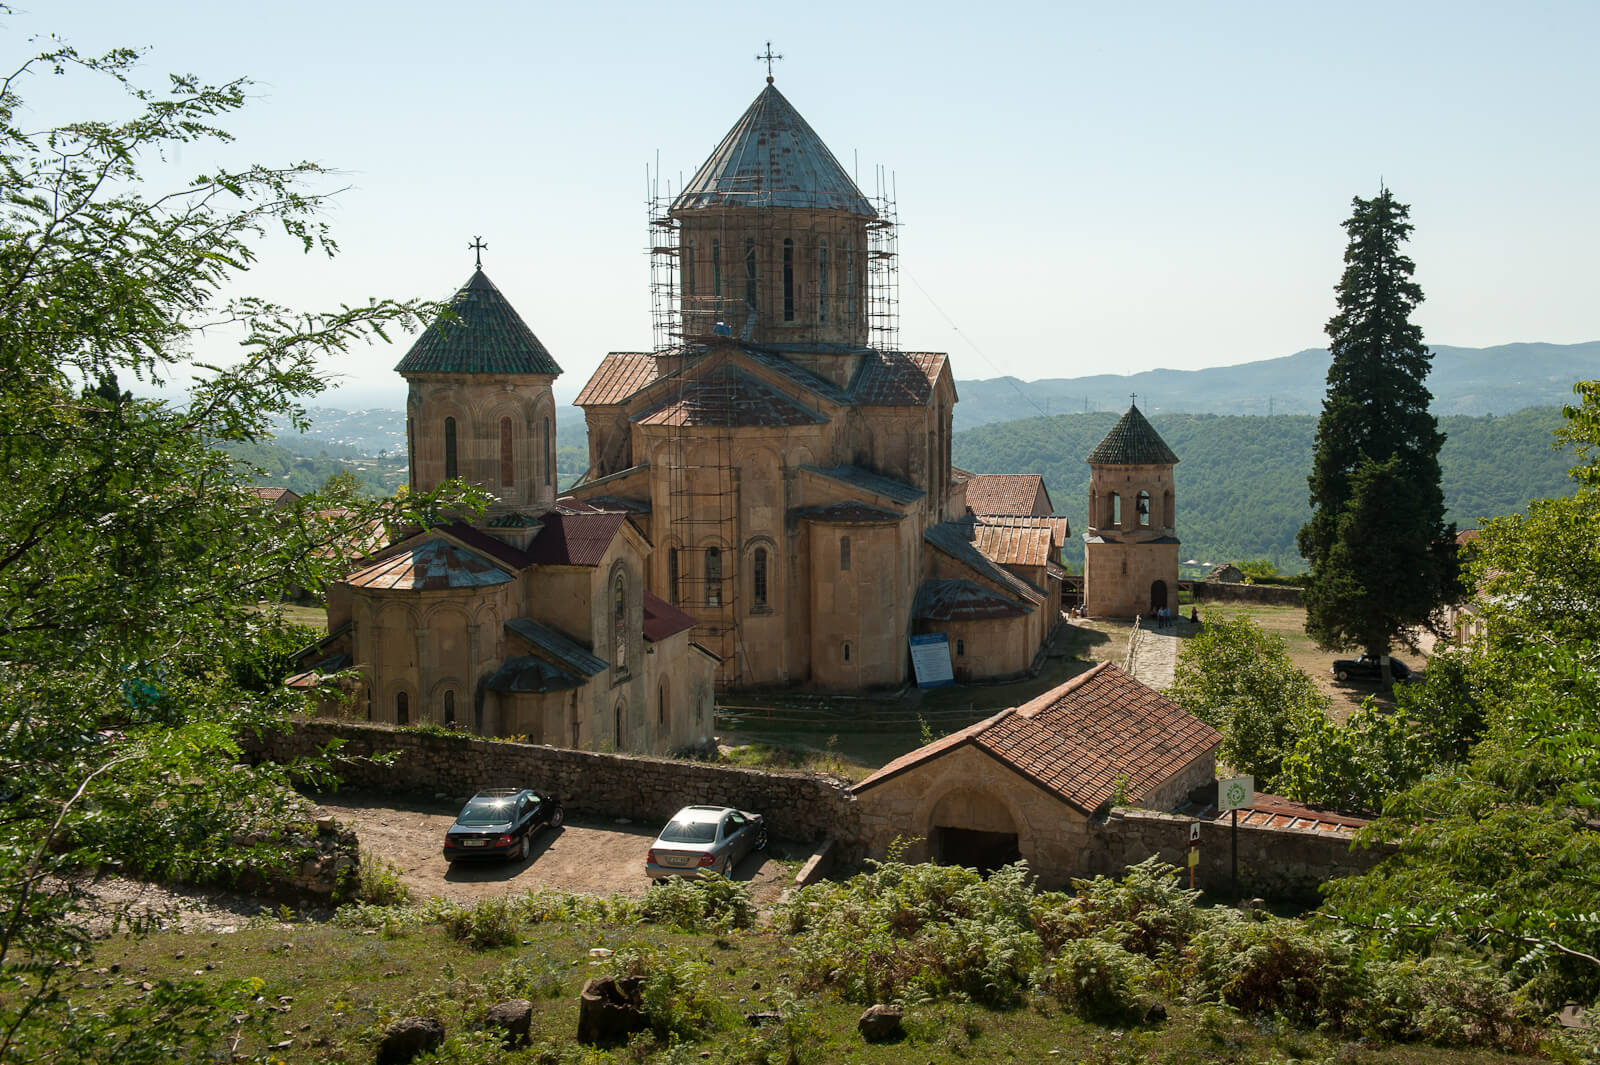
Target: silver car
(700,838)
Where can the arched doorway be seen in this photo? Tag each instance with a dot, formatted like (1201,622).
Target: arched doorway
(1158,595)
(973,829)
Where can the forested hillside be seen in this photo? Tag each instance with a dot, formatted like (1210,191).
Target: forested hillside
(1241,480)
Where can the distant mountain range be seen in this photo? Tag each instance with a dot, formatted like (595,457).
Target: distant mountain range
(1497,380)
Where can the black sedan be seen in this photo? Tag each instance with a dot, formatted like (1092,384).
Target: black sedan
(500,823)
(1367,667)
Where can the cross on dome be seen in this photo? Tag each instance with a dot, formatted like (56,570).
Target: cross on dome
(767,58)
(477,246)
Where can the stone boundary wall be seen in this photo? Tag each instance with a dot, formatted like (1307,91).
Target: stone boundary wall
(798,806)
(1226,592)
(1274,863)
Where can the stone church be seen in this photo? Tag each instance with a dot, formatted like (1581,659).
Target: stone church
(1130,549)
(794,479)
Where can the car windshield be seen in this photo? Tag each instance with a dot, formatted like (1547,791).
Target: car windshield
(485,813)
(690,832)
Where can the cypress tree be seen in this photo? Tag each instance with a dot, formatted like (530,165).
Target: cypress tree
(1382,558)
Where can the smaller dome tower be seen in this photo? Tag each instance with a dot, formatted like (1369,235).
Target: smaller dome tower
(480,405)
(1130,547)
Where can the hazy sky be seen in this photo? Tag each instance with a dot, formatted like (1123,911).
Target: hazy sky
(1083,188)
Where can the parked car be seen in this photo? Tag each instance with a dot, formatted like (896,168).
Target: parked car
(1367,667)
(700,838)
(500,823)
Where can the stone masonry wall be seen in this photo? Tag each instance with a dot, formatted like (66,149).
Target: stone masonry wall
(801,807)
(1273,863)
(1226,592)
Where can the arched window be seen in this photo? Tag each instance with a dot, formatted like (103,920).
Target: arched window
(847,652)
(549,452)
(1166,510)
(1116,510)
(822,282)
(508,464)
(961,648)
(758,577)
(617,725)
(619,622)
(713,576)
(688,269)
(850,283)
(788,280)
(716,269)
(750,271)
(450,707)
(411,453)
(844,552)
(449,447)
(672,575)
(1142,507)
(402,708)
(661,705)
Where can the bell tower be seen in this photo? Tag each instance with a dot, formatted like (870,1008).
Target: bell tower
(1130,547)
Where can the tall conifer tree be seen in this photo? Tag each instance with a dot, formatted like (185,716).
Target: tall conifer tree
(1382,558)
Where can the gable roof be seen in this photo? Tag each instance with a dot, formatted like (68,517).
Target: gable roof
(1133,441)
(1100,731)
(897,378)
(567,653)
(1005,493)
(729,401)
(575,539)
(487,337)
(1016,545)
(772,158)
(428,564)
(954,538)
(619,375)
(662,619)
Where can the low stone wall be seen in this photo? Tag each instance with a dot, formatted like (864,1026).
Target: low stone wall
(1274,863)
(1268,594)
(797,806)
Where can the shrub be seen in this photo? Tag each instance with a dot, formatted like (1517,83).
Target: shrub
(546,904)
(676,997)
(1446,1001)
(1147,912)
(1100,981)
(701,904)
(490,922)
(378,882)
(1276,966)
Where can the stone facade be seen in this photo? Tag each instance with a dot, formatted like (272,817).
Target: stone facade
(1130,556)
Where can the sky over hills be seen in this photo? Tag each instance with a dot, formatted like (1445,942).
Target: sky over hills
(1082,188)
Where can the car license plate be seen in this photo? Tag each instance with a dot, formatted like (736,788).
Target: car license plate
(474,843)
(676,859)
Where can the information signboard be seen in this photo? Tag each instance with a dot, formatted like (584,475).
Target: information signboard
(1236,793)
(930,659)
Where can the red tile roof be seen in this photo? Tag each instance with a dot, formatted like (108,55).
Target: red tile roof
(735,400)
(1017,545)
(575,539)
(619,375)
(1274,811)
(426,565)
(662,619)
(897,378)
(1083,741)
(1005,493)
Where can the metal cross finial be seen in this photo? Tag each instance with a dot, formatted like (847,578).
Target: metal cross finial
(1133,398)
(768,58)
(477,246)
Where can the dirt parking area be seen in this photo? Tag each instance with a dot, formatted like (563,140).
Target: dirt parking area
(589,855)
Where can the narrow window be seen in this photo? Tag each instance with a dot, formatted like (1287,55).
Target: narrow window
(713,576)
(1142,507)
(758,576)
(750,272)
(661,705)
(672,576)
(847,652)
(1166,509)
(449,448)
(850,283)
(716,269)
(411,453)
(549,452)
(619,623)
(402,708)
(1116,509)
(844,552)
(788,280)
(618,725)
(822,282)
(961,648)
(508,466)
(688,269)
(450,708)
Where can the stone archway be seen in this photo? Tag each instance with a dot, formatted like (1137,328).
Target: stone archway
(1158,595)
(972,828)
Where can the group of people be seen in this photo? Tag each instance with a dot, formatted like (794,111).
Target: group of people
(1166,616)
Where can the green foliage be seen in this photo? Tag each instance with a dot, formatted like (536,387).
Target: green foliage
(698,904)
(1444,1000)
(489,922)
(1277,967)
(675,996)
(1239,679)
(1100,981)
(1354,766)
(1147,912)
(1258,569)
(1382,559)
(378,882)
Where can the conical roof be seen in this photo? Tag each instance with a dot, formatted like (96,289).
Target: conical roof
(1133,441)
(773,158)
(490,337)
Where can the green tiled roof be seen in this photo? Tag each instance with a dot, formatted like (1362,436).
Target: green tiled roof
(1133,441)
(489,337)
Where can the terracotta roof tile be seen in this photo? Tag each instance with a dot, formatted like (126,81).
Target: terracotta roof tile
(575,539)
(1017,545)
(897,378)
(1005,493)
(954,538)
(619,375)
(1083,741)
